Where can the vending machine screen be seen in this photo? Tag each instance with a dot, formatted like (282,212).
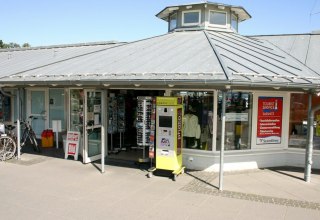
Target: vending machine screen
(165,121)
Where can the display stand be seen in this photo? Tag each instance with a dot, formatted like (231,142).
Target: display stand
(116,121)
(144,125)
(121,123)
(152,132)
(72,144)
(112,119)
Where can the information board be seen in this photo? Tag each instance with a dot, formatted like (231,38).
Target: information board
(269,125)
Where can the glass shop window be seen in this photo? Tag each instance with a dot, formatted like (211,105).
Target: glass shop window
(298,125)
(198,119)
(5,108)
(238,121)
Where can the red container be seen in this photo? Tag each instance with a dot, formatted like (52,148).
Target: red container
(47,138)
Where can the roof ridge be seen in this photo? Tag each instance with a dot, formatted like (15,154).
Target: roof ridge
(224,68)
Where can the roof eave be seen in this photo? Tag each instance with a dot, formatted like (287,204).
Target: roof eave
(242,13)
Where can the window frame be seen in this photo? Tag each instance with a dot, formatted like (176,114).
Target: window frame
(218,25)
(191,24)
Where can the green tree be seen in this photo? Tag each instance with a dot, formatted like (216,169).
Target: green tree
(12,45)
(26,45)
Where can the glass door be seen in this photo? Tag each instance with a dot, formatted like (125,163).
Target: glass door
(93,137)
(38,108)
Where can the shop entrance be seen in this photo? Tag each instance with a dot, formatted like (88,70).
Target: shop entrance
(86,108)
(128,137)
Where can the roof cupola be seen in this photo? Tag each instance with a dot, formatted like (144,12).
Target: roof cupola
(204,16)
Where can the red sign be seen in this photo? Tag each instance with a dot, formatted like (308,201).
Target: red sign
(72,147)
(269,126)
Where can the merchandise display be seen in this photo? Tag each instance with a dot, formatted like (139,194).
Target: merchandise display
(143,123)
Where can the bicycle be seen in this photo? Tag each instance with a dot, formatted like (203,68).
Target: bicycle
(8,140)
(29,134)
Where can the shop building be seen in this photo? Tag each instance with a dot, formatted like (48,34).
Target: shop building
(95,89)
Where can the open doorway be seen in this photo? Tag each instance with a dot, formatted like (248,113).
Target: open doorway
(128,112)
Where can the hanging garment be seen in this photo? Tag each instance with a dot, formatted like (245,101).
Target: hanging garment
(190,125)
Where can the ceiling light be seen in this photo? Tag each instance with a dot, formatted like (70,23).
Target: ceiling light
(277,87)
(106,85)
(170,85)
(79,84)
(137,85)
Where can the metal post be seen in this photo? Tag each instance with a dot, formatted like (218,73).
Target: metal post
(308,136)
(309,150)
(104,128)
(102,149)
(223,123)
(18,124)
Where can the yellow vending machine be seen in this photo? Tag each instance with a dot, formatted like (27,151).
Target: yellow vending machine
(169,137)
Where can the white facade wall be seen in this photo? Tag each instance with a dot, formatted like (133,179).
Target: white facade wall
(244,160)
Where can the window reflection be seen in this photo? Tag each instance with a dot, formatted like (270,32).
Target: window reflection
(298,121)
(198,119)
(238,120)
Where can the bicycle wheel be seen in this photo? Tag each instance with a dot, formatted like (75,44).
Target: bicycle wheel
(9,147)
(34,142)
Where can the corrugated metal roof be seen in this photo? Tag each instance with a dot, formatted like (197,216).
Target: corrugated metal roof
(304,47)
(168,56)
(260,61)
(13,61)
(206,57)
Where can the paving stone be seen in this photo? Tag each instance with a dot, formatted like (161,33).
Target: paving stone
(202,184)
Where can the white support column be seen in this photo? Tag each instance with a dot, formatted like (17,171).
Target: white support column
(104,128)
(18,124)
(223,123)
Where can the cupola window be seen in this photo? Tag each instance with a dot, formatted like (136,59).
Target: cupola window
(218,18)
(190,18)
(173,21)
(234,23)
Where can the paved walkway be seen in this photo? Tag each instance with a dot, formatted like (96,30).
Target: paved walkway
(39,187)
